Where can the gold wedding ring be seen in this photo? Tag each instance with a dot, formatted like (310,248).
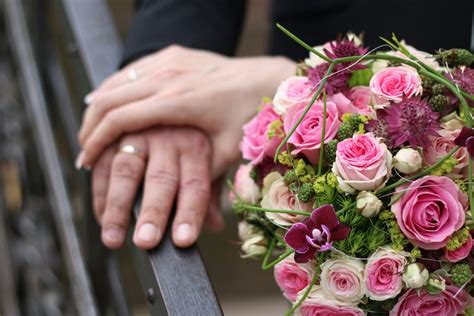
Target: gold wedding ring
(130,149)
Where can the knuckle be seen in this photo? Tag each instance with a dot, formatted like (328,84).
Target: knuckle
(162,176)
(196,184)
(126,168)
(154,214)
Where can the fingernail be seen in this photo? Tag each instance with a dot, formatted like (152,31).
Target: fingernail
(88,99)
(79,160)
(147,232)
(114,233)
(184,232)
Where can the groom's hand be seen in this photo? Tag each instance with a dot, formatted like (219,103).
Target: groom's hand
(173,164)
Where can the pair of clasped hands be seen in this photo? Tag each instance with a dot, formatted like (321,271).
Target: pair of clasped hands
(171,122)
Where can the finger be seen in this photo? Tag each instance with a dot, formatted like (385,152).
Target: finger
(125,178)
(214,220)
(161,182)
(133,117)
(108,100)
(100,181)
(194,192)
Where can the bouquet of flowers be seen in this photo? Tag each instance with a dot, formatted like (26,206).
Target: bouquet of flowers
(358,190)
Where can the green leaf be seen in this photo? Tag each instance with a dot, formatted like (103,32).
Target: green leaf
(360,77)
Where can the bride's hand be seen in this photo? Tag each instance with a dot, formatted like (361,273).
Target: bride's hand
(172,163)
(181,86)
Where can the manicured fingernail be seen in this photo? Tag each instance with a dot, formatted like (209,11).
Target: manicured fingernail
(88,99)
(114,233)
(79,160)
(184,232)
(147,232)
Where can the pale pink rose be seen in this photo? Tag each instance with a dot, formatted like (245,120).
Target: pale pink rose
(343,279)
(256,144)
(422,56)
(362,163)
(307,137)
(319,303)
(383,273)
(345,105)
(279,197)
(292,277)
(450,302)
(245,187)
(440,146)
(430,210)
(360,97)
(393,83)
(460,253)
(292,91)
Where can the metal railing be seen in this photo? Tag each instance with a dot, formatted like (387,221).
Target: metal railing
(57,50)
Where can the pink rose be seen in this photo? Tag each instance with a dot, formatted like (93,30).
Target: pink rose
(319,303)
(245,187)
(345,105)
(307,137)
(279,197)
(293,90)
(256,144)
(383,273)
(460,253)
(343,279)
(430,210)
(441,146)
(360,97)
(362,163)
(292,277)
(419,302)
(392,83)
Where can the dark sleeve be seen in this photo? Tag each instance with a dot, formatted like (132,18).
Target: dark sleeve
(427,25)
(207,24)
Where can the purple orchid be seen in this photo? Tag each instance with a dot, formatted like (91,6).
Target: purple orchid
(316,233)
(466,139)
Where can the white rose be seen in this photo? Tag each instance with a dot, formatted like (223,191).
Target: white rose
(254,242)
(407,160)
(415,275)
(279,197)
(343,279)
(368,204)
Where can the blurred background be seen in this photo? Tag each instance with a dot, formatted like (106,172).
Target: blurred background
(34,265)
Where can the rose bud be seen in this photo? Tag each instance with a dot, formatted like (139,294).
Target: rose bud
(254,242)
(436,283)
(415,275)
(407,160)
(368,204)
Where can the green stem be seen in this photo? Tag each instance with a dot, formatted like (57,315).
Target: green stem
(467,95)
(377,57)
(323,135)
(306,110)
(261,209)
(283,256)
(418,175)
(302,43)
(306,292)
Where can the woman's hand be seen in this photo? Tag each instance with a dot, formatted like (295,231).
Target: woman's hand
(181,86)
(172,164)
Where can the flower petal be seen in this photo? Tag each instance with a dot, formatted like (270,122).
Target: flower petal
(340,232)
(470,146)
(305,257)
(324,215)
(463,136)
(296,237)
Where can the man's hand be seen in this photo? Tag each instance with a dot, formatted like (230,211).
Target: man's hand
(173,163)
